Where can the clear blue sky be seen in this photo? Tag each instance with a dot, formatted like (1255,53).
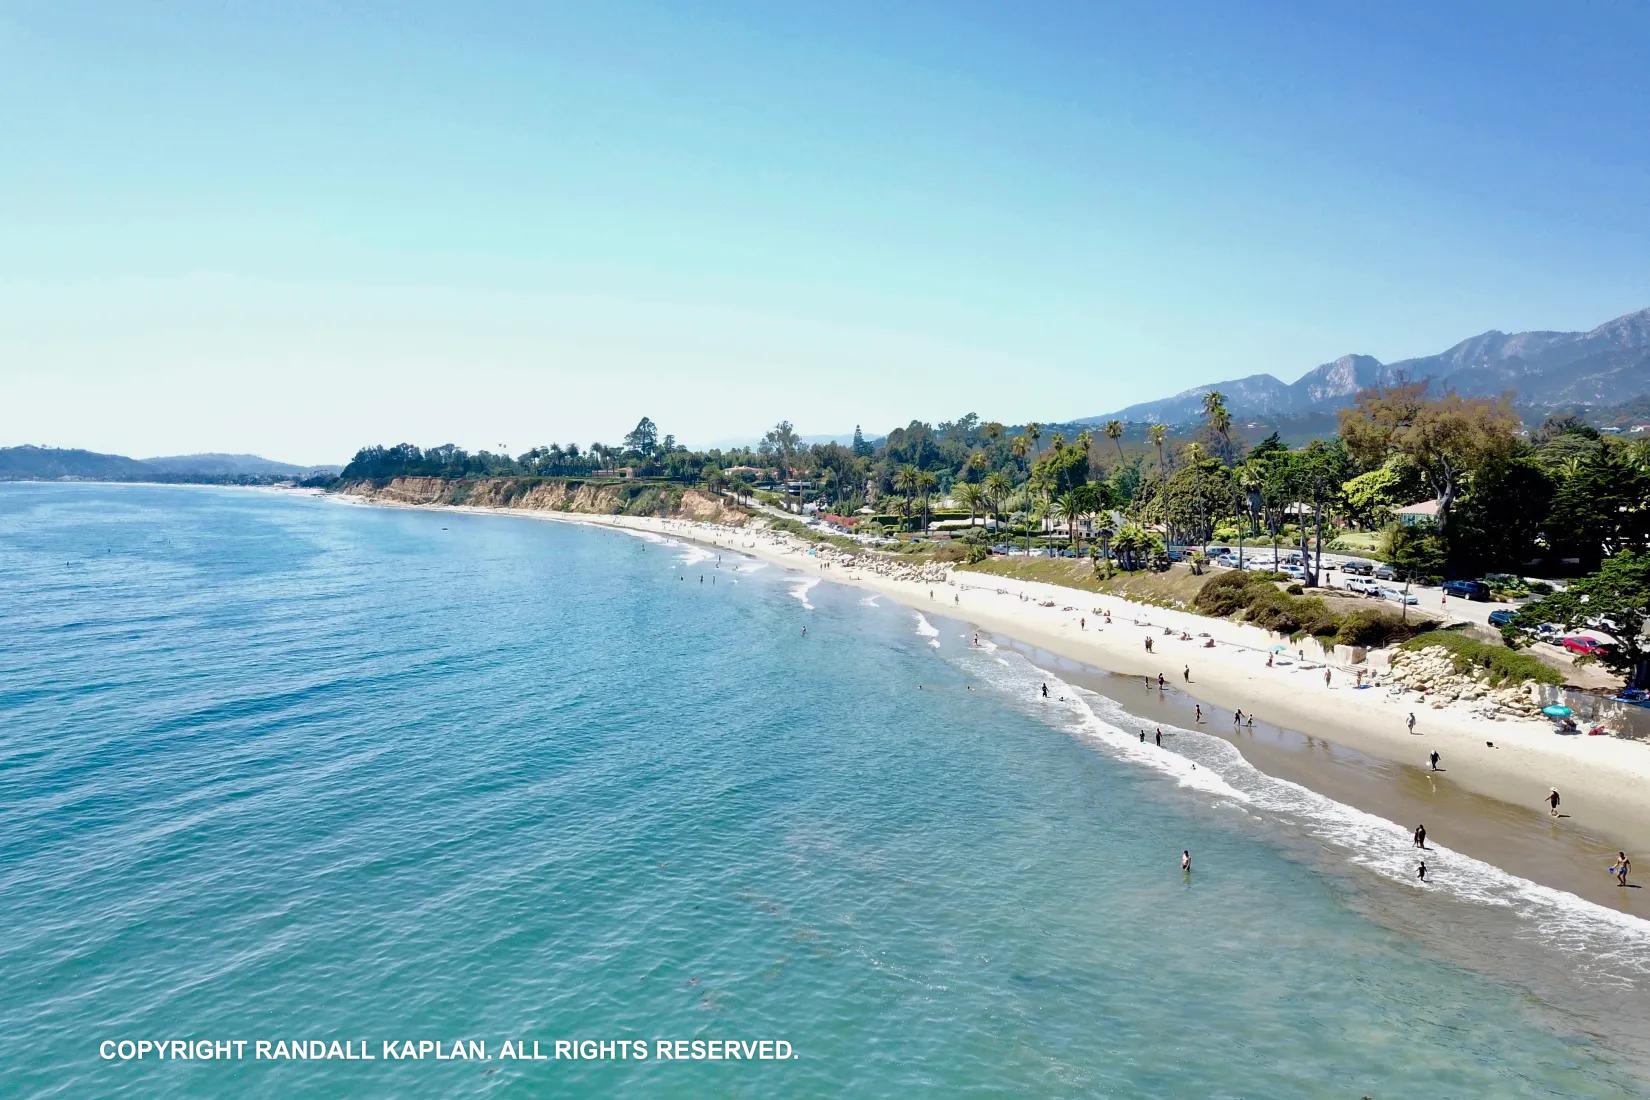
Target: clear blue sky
(298,230)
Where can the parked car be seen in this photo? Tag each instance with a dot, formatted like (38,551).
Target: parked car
(1293,572)
(1502,617)
(1468,590)
(1359,566)
(1398,594)
(1583,646)
(1384,572)
(1363,586)
(1547,632)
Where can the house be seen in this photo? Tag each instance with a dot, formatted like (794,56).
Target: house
(1412,515)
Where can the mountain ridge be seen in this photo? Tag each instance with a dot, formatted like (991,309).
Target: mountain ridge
(1607,364)
(29,462)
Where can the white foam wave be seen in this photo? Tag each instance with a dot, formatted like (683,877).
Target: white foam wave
(1615,945)
(801,588)
(869,601)
(927,630)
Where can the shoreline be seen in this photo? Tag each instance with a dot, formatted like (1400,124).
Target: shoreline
(1486,803)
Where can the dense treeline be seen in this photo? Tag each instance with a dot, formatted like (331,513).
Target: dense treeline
(1563,498)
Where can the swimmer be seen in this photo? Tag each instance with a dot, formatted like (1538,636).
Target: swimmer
(1186,861)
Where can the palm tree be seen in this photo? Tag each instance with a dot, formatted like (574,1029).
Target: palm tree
(1071,507)
(925,482)
(1021,446)
(1219,420)
(1057,440)
(1158,433)
(969,495)
(1114,432)
(1035,431)
(905,481)
(996,488)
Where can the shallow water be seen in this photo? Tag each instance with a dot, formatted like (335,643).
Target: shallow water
(275,767)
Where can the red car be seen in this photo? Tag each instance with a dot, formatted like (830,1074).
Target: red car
(1583,646)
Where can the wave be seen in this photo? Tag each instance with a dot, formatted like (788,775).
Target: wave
(801,588)
(869,601)
(927,630)
(1612,947)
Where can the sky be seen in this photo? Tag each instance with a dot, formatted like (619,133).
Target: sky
(297,229)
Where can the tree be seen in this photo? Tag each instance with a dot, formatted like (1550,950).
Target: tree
(1615,599)
(1316,473)
(924,483)
(1157,433)
(1448,438)
(1219,421)
(1600,507)
(969,496)
(1114,432)
(996,489)
(861,448)
(781,442)
(1034,431)
(643,438)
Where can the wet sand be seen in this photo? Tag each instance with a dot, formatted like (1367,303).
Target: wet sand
(1523,840)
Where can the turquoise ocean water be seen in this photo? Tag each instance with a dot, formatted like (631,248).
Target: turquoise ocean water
(279,767)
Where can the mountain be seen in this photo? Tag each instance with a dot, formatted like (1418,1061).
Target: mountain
(1605,366)
(222,465)
(49,464)
(30,463)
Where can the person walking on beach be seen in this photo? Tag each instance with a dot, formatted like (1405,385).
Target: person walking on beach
(1421,837)
(1411,721)
(1269,657)
(1552,803)
(1434,759)
(1186,673)
(1186,861)
(1142,737)
(1199,708)
(1045,691)
(1082,623)
(1326,677)
(1421,873)
(1159,736)
(1160,681)
(1623,865)
(1148,644)
(1237,717)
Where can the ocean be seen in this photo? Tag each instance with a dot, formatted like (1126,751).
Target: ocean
(278,768)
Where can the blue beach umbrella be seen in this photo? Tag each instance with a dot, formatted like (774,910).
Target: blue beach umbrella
(1556,711)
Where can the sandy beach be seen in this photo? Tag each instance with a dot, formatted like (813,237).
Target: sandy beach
(1485,801)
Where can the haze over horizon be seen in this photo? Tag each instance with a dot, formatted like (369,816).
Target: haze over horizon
(296,233)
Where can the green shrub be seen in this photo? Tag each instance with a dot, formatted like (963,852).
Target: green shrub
(1295,590)
(1540,588)
(1371,629)
(1494,664)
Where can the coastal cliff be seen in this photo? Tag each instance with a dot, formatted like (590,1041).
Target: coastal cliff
(586,497)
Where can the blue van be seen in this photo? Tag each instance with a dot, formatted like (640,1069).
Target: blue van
(1468,590)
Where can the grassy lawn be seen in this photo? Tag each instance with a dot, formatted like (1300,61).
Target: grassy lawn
(1174,588)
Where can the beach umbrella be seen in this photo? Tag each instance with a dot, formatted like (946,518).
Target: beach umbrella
(1557,711)
(1279,648)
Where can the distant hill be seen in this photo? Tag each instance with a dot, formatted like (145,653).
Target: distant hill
(30,463)
(222,465)
(1608,365)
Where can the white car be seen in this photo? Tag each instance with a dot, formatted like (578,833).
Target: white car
(1363,586)
(1293,572)
(1398,594)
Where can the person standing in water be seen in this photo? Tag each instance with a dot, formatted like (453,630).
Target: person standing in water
(1186,861)
(1159,736)
(1421,837)
(1421,873)
(1434,759)
(1552,803)
(1142,737)
(1160,681)
(1199,709)
(1623,865)
(1045,691)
